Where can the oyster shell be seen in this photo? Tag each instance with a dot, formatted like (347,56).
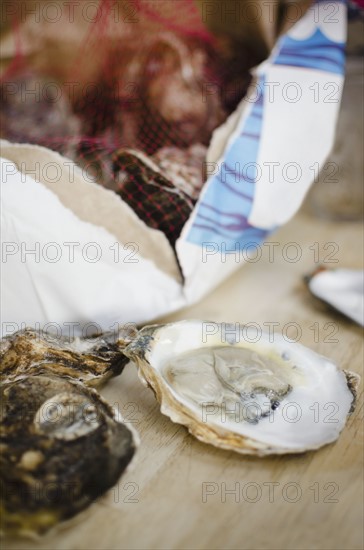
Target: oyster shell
(150,193)
(185,167)
(91,360)
(61,448)
(342,289)
(230,390)
(32,111)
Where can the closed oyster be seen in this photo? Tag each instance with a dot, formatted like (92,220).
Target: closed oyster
(151,194)
(91,360)
(34,111)
(61,448)
(184,167)
(253,397)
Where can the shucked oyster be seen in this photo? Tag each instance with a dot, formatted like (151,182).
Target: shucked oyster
(230,390)
(91,360)
(61,448)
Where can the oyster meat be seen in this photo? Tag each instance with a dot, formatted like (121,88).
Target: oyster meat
(61,448)
(230,390)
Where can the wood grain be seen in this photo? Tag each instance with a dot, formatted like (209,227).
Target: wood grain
(318,496)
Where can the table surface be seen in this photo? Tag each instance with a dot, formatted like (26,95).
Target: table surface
(317,497)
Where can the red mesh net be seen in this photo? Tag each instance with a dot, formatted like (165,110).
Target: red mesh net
(131,91)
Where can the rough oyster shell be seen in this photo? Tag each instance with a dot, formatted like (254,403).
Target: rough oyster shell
(61,448)
(91,360)
(230,390)
(184,167)
(150,193)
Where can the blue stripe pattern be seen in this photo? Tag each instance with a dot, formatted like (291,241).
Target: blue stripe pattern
(222,214)
(316,52)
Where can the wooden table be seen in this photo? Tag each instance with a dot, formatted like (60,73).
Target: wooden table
(178,494)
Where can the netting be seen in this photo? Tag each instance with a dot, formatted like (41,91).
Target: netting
(131,94)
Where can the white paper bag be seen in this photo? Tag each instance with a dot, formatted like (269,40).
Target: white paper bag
(76,258)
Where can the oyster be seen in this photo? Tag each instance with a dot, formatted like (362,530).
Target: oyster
(61,448)
(173,84)
(91,360)
(185,167)
(230,390)
(34,110)
(150,193)
(342,289)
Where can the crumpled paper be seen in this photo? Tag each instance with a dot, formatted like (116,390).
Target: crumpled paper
(73,252)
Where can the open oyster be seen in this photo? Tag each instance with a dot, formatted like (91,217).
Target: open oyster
(61,448)
(230,390)
(91,360)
